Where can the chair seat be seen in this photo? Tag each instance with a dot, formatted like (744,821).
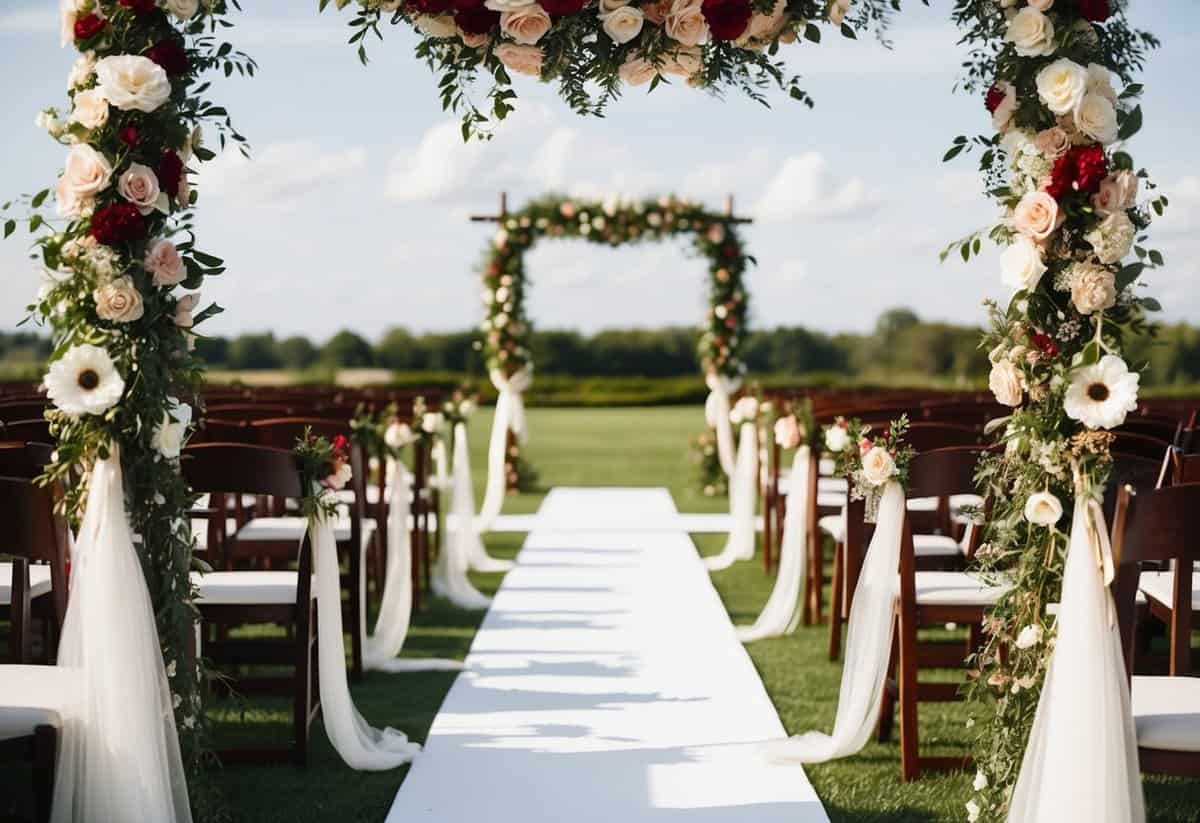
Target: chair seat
(200,531)
(924,545)
(1166,711)
(32,696)
(347,495)
(827,466)
(39,581)
(246,588)
(955,589)
(831,500)
(285,529)
(1157,586)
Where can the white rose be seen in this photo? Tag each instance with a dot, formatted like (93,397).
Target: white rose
(878,466)
(837,439)
(118,301)
(441,27)
(1031,32)
(1113,238)
(624,24)
(86,174)
(507,5)
(1037,215)
(91,109)
(637,71)
(1032,634)
(1099,81)
(133,83)
(1097,118)
(432,422)
(1006,383)
(1021,264)
(164,264)
(82,70)
(139,185)
(184,308)
(170,433)
(1061,85)
(522,59)
(1094,289)
(685,23)
(183,9)
(526,25)
(1117,192)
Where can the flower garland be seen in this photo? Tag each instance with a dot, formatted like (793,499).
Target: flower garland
(116,259)
(1069,191)
(593,50)
(615,222)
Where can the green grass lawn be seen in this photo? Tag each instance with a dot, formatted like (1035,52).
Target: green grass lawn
(619,447)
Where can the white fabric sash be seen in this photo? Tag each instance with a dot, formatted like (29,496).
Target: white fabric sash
(868,647)
(463,543)
(462,504)
(119,757)
(743,499)
(781,615)
(509,416)
(1081,762)
(716,411)
(361,746)
(395,609)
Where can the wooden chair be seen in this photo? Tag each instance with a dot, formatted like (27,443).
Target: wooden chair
(22,410)
(1141,445)
(27,431)
(1161,526)
(231,598)
(33,702)
(247,412)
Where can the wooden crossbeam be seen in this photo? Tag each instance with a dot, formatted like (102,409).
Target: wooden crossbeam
(730,217)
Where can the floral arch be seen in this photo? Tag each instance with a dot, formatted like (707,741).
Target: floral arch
(1057,76)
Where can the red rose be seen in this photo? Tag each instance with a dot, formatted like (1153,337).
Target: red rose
(1097,11)
(169,172)
(139,6)
(561,8)
(1044,343)
(171,56)
(727,19)
(117,224)
(434,7)
(1081,169)
(89,26)
(129,136)
(340,444)
(477,20)
(993,99)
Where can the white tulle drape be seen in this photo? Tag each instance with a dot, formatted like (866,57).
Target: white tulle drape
(781,614)
(1081,761)
(868,646)
(119,757)
(395,609)
(743,499)
(716,411)
(509,416)
(463,545)
(361,746)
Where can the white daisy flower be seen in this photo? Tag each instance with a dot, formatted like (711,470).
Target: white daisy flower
(1102,394)
(84,381)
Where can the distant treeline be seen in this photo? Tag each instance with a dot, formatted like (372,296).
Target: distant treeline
(901,346)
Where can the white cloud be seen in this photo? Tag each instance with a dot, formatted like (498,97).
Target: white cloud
(804,188)
(1182,215)
(278,175)
(712,180)
(33,20)
(960,187)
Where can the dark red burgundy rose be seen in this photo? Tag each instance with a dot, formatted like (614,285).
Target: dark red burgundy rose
(1097,11)
(171,56)
(434,7)
(993,99)
(139,6)
(727,19)
(477,20)
(1044,343)
(129,136)
(1081,169)
(170,170)
(561,8)
(466,5)
(89,26)
(117,224)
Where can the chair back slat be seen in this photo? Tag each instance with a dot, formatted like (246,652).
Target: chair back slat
(944,472)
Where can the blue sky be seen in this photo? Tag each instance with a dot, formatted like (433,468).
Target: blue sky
(353,212)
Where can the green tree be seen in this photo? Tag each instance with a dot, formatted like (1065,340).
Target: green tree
(297,352)
(253,351)
(348,350)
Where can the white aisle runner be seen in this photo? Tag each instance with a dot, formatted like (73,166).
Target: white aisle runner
(606,685)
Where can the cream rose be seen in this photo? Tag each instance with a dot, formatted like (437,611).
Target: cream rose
(1093,289)
(837,438)
(1037,215)
(521,59)
(184,308)
(787,432)
(1052,142)
(86,174)
(133,83)
(1021,265)
(170,433)
(1117,192)
(1041,5)
(878,466)
(527,24)
(1099,81)
(440,26)
(1006,383)
(139,186)
(624,24)
(685,23)
(764,27)
(82,70)
(91,109)
(1097,118)
(119,301)
(1031,32)
(507,5)
(606,7)
(1113,238)
(1061,85)
(183,9)
(164,264)
(1043,509)
(637,71)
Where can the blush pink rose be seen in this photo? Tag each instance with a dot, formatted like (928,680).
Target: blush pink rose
(522,59)
(1037,216)
(139,185)
(164,264)
(1117,192)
